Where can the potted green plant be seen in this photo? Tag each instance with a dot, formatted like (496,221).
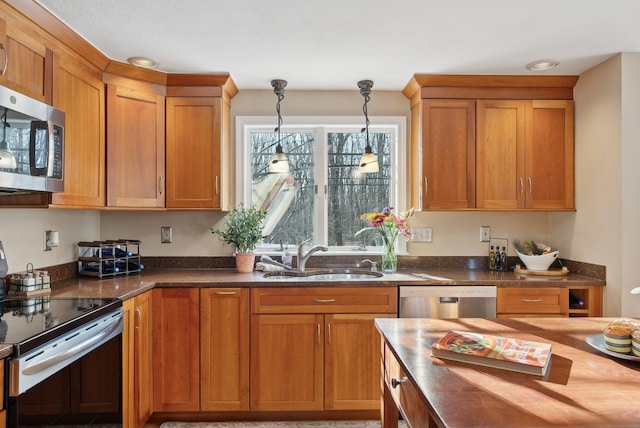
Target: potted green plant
(243,230)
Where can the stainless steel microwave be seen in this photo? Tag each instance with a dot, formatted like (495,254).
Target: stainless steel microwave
(31,145)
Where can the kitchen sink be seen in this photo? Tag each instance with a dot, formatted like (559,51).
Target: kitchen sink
(324,275)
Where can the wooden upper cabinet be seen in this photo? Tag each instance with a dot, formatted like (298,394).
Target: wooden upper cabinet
(500,154)
(198,116)
(135,146)
(193,152)
(525,154)
(520,142)
(79,92)
(549,157)
(448,154)
(25,60)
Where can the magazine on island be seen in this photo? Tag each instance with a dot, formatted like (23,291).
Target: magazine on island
(494,351)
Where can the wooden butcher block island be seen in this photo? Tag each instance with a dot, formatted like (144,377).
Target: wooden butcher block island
(584,387)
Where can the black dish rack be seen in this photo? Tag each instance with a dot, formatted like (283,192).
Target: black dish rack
(109,258)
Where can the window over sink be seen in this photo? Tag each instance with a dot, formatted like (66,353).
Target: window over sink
(324,193)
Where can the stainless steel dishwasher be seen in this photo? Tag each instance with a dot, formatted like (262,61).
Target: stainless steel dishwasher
(450,301)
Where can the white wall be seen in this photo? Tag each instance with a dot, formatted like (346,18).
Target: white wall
(22,235)
(605,228)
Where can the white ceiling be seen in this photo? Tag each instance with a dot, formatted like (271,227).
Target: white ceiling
(332,44)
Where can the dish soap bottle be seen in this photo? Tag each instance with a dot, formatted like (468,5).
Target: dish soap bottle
(287,258)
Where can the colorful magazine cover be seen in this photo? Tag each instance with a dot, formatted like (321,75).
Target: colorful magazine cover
(495,351)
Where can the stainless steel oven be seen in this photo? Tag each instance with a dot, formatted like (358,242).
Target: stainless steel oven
(66,365)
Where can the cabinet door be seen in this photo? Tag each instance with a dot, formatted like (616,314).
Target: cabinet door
(128,383)
(79,92)
(25,61)
(448,154)
(352,362)
(500,151)
(549,155)
(135,148)
(193,152)
(287,362)
(176,355)
(224,349)
(143,358)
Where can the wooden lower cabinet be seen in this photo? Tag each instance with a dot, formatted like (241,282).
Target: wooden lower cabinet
(352,366)
(532,302)
(3,412)
(137,361)
(176,349)
(317,348)
(287,362)
(224,349)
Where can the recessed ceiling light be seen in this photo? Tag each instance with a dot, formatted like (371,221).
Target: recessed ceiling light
(545,64)
(139,61)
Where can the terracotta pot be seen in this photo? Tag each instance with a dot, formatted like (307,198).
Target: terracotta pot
(244,262)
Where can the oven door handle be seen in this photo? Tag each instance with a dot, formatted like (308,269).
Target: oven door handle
(74,351)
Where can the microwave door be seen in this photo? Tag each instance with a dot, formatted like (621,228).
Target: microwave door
(40,153)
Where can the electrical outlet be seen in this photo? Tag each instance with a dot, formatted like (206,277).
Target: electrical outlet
(485,233)
(421,234)
(166,234)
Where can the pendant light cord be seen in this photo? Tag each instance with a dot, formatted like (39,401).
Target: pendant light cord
(365,91)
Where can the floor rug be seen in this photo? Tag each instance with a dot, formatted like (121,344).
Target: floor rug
(278,424)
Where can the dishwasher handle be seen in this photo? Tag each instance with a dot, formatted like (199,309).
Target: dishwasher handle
(448,300)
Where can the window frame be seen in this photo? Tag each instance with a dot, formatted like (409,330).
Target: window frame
(322,125)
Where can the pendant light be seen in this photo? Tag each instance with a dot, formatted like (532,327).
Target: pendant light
(368,161)
(278,161)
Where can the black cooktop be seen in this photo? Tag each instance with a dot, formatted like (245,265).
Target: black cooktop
(28,322)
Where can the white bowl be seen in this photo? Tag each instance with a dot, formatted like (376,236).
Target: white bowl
(541,262)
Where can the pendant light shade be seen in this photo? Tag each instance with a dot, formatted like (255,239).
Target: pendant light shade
(368,161)
(278,161)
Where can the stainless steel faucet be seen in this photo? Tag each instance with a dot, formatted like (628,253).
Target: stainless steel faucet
(302,257)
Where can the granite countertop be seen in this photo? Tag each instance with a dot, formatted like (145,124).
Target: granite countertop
(125,287)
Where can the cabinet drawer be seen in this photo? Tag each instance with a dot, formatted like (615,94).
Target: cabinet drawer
(325,300)
(515,300)
(407,398)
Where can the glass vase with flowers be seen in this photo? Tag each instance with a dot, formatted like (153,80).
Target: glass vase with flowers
(388,226)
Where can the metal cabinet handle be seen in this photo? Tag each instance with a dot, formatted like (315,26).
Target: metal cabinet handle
(521,186)
(138,315)
(532,300)
(324,300)
(226,293)
(426,186)
(395,382)
(6,59)
(160,184)
(329,333)
(217,186)
(318,327)
(530,185)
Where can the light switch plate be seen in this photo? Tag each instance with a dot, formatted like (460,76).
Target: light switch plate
(422,234)
(485,233)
